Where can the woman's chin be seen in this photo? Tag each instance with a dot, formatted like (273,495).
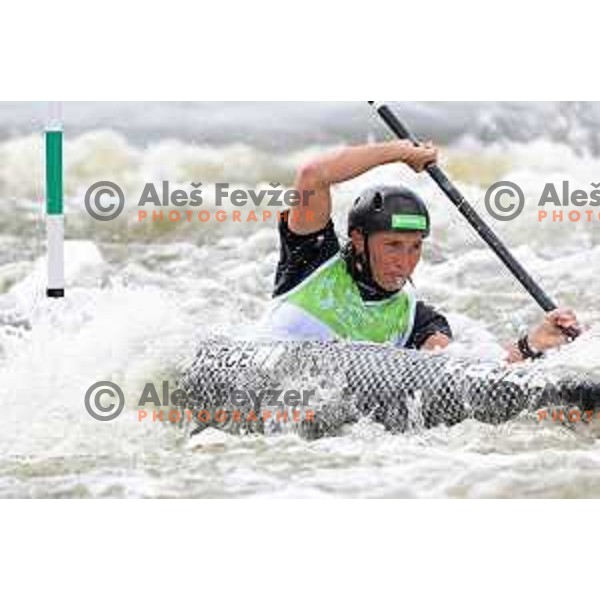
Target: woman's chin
(393,285)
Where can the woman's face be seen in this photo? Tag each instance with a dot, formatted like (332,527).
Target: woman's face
(394,256)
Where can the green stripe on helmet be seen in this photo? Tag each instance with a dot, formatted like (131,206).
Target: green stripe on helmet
(409,222)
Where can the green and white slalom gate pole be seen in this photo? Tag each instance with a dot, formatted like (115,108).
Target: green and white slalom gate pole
(55,220)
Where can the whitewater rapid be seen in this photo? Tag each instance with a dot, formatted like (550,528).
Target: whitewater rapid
(140,295)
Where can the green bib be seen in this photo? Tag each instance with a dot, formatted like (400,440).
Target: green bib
(331,296)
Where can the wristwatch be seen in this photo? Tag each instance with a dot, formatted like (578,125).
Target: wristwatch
(526,350)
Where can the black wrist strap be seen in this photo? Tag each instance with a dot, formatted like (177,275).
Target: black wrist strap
(526,350)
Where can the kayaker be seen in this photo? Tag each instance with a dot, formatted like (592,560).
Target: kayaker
(324,292)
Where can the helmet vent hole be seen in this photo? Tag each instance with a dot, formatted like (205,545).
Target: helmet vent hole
(378,201)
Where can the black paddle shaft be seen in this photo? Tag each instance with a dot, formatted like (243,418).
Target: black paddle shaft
(480,226)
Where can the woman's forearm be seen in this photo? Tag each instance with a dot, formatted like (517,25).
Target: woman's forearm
(353,161)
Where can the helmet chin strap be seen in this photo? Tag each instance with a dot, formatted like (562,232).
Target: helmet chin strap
(359,266)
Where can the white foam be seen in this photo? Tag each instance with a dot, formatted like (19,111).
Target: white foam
(134,307)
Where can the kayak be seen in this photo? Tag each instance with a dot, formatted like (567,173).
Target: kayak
(315,388)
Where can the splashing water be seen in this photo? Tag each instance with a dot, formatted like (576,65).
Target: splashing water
(140,296)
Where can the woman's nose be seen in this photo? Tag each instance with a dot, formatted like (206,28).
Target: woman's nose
(401,263)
